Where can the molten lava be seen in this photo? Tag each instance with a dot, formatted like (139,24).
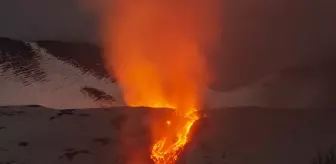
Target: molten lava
(156,48)
(167,149)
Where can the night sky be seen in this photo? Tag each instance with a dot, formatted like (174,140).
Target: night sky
(275,57)
(259,37)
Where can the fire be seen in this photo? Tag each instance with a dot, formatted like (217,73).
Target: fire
(165,151)
(156,50)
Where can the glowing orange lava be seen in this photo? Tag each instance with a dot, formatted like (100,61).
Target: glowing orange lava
(156,50)
(167,149)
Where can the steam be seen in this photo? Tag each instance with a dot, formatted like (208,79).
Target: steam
(157,51)
(160,45)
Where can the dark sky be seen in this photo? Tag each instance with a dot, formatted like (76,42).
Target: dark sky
(263,36)
(46,19)
(259,36)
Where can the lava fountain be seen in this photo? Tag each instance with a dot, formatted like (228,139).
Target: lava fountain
(156,50)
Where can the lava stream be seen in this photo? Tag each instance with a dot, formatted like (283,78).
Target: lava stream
(163,153)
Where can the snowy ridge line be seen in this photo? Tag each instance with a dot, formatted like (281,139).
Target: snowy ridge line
(60,75)
(31,75)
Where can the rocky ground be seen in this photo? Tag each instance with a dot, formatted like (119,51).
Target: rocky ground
(244,135)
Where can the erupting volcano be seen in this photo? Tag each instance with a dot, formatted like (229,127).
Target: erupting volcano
(156,48)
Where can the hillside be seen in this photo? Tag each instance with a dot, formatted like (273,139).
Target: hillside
(244,135)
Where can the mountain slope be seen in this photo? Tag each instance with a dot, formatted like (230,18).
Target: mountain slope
(53,74)
(310,85)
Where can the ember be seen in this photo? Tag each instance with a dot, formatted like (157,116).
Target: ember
(155,48)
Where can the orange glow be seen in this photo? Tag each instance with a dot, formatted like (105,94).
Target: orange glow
(156,50)
(167,149)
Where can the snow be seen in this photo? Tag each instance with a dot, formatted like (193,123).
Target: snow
(227,136)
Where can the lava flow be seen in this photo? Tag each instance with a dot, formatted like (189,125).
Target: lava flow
(156,48)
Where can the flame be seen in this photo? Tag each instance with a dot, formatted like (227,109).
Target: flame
(166,150)
(156,50)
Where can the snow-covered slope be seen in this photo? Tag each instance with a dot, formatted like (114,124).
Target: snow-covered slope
(31,74)
(244,135)
(72,75)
